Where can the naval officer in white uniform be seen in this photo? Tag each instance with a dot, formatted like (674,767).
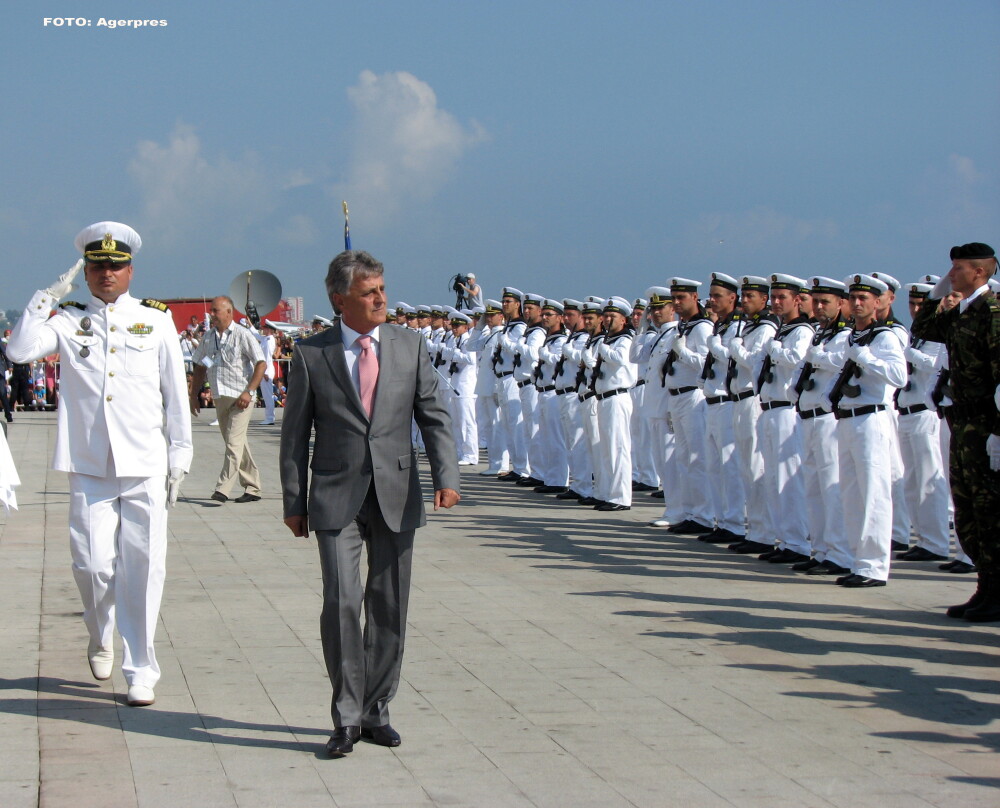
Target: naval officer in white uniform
(124,436)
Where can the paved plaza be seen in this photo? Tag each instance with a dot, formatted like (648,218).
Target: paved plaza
(555,657)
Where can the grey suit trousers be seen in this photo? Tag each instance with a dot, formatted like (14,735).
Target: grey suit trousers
(364,664)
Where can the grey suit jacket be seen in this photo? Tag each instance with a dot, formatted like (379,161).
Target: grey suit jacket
(350,450)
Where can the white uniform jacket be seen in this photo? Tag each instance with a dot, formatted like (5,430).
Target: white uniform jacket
(123,392)
(784,354)
(747,349)
(615,370)
(460,364)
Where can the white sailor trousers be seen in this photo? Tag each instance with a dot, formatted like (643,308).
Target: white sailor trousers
(926,479)
(581,466)
(615,447)
(512,418)
(780,440)
(552,437)
(643,463)
(118,542)
(687,414)
(722,463)
(824,507)
(866,487)
(464,428)
(746,413)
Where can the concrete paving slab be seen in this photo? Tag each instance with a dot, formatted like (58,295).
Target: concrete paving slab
(555,657)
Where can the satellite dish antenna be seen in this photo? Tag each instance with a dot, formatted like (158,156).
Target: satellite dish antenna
(255,291)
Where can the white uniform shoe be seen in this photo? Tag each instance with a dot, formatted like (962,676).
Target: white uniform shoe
(659,523)
(140,696)
(102,661)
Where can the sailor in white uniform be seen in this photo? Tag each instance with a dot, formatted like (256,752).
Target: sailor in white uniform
(124,436)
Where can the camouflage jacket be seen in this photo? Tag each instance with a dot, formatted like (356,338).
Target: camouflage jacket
(973,342)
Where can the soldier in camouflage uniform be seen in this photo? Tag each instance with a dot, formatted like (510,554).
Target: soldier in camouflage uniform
(971,333)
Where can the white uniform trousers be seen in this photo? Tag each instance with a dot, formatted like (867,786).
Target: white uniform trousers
(746,413)
(484,421)
(662,436)
(266,388)
(511,418)
(581,466)
(925,479)
(643,465)
(550,433)
(900,513)
(464,427)
(944,432)
(118,542)
(824,507)
(687,415)
(652,404)
(780,440)
(866,487)
(592,439)
(722,465)
(615,447)
(529,428)
(496,438)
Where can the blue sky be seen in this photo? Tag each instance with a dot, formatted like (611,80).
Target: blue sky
(567,148)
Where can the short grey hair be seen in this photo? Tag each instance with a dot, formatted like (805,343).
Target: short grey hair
(347,267)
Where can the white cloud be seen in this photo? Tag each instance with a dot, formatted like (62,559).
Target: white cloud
(190,196)
(404,147)
(757,229)
(959,199)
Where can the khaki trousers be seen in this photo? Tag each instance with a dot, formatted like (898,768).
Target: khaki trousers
(233,423)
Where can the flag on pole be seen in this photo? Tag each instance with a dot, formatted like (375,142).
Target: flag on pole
(347,228)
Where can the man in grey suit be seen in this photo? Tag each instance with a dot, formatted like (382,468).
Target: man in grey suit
(359,384)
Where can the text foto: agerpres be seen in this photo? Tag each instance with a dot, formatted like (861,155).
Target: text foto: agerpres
(102,22)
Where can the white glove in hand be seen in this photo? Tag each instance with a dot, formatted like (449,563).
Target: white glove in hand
(860,354)
(680,343)
(715,344)
(174,481)
(64,285)
(993,450)
(941,288)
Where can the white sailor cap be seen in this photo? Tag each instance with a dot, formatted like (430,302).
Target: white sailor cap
(400,305)
(423,310)
(553,305)
(779,281)
(828,286)
(919,289)
(725,281)
(594,299)
(475,311)
(448,311)
(593,304)
(493,306)
(639,303)
(408,309)
(659,296)
(867,283)
(617,304)
(437,310)
(458,317)
(510,291)
(888,280)
(931,279)
(569,304)
(108,241)
(535,300)
(684,285)
(755,283)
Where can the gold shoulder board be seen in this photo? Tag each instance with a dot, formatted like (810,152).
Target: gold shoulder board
(154,304)
(72,303)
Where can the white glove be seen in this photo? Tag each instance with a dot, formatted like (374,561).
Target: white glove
(680,343)
(909,353)
(64,285)
(174,480)
(715,345)
(860,354)
(993,450)
(774,348)
(941,288)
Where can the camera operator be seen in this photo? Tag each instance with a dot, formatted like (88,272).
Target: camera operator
(473,292)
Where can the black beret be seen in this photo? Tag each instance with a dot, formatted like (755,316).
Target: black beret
(975,249)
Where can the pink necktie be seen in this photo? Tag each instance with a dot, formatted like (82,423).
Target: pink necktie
(367,373)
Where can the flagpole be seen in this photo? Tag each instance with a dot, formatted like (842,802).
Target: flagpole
(347,228)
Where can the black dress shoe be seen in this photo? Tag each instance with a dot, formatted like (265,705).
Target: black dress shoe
(787,556)
(898,545)
(571,494)
(549,489)
(247,498)
(642,487)
(920,554)
(768,554)
(720,536)
(948,565)
(843,579)
(342,741)
(588,501)
(509,477)
(657,494)
(961,568)
(805,566)
(748,547)
(689,527)
(383,736)
(530,482)
(858,581)
(218,496)
(828,568)
(612,506)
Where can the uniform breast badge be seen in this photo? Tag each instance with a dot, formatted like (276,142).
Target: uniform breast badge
(140,329)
